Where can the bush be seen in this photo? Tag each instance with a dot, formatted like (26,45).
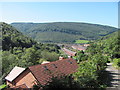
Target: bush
(116,62)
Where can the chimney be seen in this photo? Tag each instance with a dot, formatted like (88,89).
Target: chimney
(69,56)
(60,58)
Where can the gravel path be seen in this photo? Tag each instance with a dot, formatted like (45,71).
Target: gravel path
(115,76)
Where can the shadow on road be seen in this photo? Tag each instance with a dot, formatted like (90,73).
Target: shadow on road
(112,76)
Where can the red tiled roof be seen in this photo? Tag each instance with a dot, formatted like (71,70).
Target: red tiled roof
(44,72)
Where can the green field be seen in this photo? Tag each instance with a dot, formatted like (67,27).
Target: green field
(81,41)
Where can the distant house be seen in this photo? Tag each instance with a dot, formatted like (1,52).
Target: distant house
(26,78)
(69,52)
(86,45)
(79,47)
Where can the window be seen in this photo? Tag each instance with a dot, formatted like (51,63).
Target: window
(45,67)
(54,65)
(70,61)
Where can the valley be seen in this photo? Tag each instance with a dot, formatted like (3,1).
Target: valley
(89,57)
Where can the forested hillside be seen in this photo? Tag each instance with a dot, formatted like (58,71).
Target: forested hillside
(108,46)
(20,50)
(12,38)
(63,31)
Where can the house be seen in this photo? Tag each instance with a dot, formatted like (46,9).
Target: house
(86,45)
(69,52)
(26,78)
(20,77)
(79,47)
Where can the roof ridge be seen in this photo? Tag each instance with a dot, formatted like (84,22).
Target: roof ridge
(50,62)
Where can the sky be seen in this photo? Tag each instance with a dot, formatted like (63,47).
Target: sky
(59,0)
(105,13)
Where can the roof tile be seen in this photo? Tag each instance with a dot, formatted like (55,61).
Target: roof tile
(44,72)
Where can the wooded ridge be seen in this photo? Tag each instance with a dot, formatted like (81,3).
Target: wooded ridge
(63,32)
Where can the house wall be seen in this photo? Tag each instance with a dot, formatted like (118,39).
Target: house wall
(10,84)
(26,78)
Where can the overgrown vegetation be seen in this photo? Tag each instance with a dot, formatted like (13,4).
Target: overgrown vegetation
(108,46)
(63,82)
(116,62)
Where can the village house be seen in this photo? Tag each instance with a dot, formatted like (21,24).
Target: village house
(69,52)
(27,77)
(86,45)
(79,47)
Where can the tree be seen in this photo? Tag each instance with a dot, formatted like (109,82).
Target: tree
(86,75)
(99,61)
(80,56)
(49,56)
(62,82)
(116,62)
(8,61)
(30,57)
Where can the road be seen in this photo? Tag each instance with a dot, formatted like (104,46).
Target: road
(114,76)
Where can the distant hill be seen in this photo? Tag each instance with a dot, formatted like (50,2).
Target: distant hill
(112,35)
(12,38)
(63,32)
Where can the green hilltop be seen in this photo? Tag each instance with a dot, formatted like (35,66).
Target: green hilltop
(63,32)
(12,38)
